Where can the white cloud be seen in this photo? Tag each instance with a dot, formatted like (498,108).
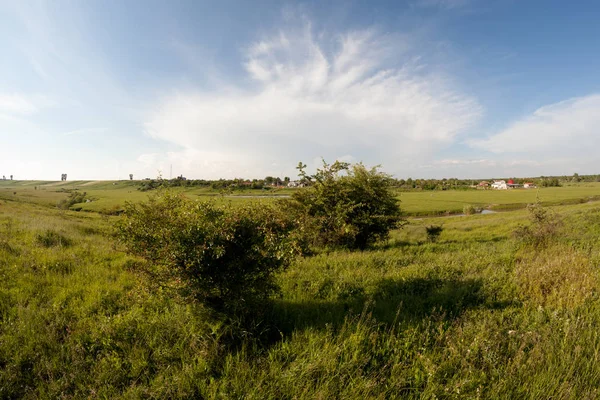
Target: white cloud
(15,103)
(465,162)
(567,128)
(358,94)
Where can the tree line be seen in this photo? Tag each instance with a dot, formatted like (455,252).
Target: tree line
(409,184)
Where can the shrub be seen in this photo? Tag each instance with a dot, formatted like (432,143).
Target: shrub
(350,210)
(544,226)
(74,198)
(223,256)
(469,209)
(433,232)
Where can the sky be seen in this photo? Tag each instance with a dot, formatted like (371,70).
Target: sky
(208,90)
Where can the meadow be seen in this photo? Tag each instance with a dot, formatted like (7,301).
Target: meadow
(477,314)
(110,196)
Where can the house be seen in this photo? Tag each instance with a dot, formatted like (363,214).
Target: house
(529,185)
(499,185)
(483,185)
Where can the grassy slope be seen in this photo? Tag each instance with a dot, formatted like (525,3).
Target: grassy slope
(108,195)
(474,316)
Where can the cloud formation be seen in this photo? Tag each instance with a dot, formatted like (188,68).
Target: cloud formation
(566,128)
(359,94)
(21,104)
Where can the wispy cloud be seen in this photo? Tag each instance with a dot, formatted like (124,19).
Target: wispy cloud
(358,94)
(20,104)
(466,162)
(84,131)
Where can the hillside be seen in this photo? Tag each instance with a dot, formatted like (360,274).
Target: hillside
(476,315)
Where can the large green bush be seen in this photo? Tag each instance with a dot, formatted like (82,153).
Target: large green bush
(345,205)
(223,256)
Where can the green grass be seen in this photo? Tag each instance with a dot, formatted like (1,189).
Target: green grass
(475,315)
(110,196)
(453,201)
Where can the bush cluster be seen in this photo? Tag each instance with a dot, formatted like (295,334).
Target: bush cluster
(469,209)
(226,257)
(74,198)
(348,206)
(223,256)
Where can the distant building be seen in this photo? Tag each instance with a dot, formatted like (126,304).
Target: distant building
(499,185)
(529,185)
(294,184)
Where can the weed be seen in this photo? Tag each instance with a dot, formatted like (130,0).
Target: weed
(51,238)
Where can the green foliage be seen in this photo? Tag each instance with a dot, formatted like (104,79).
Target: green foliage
(469,209)
(473,316)
(223,256)
(549,182)
(51,238)
(150,184)
(544,226)
(433,232)
(350,210)
(74,198)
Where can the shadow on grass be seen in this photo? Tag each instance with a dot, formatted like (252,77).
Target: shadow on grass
(410,301)
(494,239)
(400,244)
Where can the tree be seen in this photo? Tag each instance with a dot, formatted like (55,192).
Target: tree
(11,177)
(222,256)
(346,205)
(130,177)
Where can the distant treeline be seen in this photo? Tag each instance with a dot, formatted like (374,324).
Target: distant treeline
(231,184)
(409,184)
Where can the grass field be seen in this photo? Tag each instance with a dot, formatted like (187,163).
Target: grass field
(111,195)
(453,201)
(476,315)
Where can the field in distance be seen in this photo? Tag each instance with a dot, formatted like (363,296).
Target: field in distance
(107,196)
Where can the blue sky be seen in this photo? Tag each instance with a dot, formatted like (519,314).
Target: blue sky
(427,88)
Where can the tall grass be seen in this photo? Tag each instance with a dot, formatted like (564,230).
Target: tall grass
(475,315)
